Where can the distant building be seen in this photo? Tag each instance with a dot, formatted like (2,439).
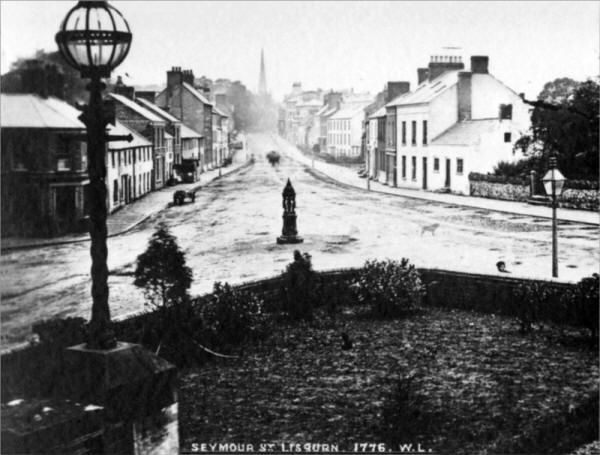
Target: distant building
(332,102)
(299,106)
(149,125)
(381,145)
(191,154)
(129,167)
(344,131)
(455,122)
(173,157)
(220,136)
(181,99)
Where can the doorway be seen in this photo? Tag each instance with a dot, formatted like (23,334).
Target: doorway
(447,184)
(424,172)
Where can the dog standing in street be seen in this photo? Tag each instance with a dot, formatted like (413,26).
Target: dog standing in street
(430,228)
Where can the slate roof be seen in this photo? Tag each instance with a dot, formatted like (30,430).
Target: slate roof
(348,112)
(188,133)
(378,113)
(313,102)
(323,110)
(146,113)
(196,93)
(119,129)
(218,111)
(157,110)
(467,132)
(331,111)
(428,90)
(32,111)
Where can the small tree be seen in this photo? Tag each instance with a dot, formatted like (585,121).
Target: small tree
(161,271)
(300,288)
(391,288)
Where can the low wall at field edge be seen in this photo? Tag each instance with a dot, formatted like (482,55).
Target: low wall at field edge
(579,199)
(30,371)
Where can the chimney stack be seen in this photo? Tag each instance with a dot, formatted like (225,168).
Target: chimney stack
(33,78)
(479,64)
(395,89)
(463,92)
(174,77)
(296,88)
(125,90)
(439,64)
(422,75)
(188,77)
(333,99)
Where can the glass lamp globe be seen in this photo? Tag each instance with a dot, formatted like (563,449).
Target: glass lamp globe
(94,38)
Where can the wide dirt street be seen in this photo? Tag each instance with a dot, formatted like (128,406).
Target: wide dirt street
(229,234)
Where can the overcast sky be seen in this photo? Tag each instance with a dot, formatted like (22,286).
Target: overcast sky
(332,44)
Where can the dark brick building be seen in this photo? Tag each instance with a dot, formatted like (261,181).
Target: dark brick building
(185,102)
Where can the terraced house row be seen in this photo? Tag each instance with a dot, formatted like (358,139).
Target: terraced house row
(178,133)
(453,123)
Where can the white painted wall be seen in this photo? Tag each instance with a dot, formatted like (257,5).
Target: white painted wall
(443,112)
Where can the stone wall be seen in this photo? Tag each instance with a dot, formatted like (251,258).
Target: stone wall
(579,199)
(504,191)
(31,372)
(493,188)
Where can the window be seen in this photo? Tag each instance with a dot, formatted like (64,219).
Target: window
(112,158)
(115,191)
(63,164)
(414,165)
(424,132)
(404,166)
(459,166)
(84,161)
(403,133)
(436,165)
(413,139)
(507,137)
(505,111)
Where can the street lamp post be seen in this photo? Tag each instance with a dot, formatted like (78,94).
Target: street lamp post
(553,184)
(94,38)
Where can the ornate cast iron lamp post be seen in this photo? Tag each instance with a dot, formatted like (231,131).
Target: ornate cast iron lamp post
(94,38)
(553,184)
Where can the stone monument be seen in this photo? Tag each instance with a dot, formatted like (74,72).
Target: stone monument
(289,231)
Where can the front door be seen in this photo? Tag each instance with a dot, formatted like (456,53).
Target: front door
(391,170)
(424,173)
(447,184)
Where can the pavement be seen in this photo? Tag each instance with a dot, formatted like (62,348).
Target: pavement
(130,215)
(348,176)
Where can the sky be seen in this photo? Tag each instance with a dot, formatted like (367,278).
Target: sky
(331,45)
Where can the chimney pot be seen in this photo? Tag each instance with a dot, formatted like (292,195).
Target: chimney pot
(479,64)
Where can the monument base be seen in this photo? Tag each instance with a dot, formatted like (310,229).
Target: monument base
(289,239)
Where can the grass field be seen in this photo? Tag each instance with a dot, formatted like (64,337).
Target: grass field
(477,384)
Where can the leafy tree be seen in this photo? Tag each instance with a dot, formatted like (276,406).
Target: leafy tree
(161,271)
(564,122)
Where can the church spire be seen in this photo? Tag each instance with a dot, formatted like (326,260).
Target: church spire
(262,82)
